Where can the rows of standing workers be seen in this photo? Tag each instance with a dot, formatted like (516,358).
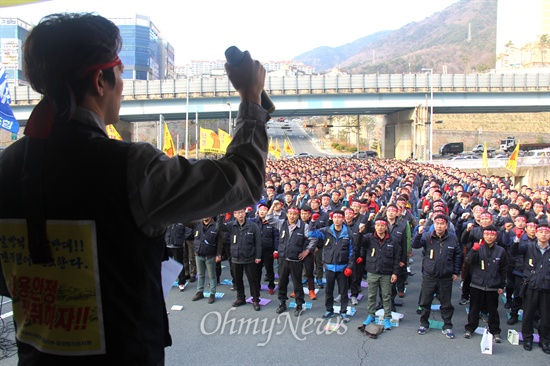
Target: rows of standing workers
(328,223)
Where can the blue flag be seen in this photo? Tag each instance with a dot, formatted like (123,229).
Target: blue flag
(7,119)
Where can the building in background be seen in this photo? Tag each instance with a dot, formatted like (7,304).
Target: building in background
(200,68)
(523,36)
(146,56)
(13,33)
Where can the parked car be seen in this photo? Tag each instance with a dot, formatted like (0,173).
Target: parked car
(478,149)
(302,155)
(452,148)
(501,156)
(464,157)
(364,154)
(541,156)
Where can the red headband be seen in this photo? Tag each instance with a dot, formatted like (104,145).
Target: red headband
(543,228)
(40,122)
(381,222)
(103,66)
(521,218)
(293,210)
(491,232)
(337,215)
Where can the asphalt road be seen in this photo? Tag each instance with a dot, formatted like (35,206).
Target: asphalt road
(219,334)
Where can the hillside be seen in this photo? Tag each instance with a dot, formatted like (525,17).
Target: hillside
(325,58)
(441,40)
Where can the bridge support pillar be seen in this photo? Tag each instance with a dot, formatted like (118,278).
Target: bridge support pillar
(126,130)
(404,133)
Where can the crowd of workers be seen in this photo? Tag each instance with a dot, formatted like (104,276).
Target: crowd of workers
(338,221)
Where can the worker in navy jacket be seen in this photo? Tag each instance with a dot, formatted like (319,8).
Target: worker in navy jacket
(488,262)
(440,268)
(382,264)
(338,257)
(536,267)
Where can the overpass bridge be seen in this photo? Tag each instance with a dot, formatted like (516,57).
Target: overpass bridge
(404,99)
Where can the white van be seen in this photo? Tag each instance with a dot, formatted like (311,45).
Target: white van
(537,157)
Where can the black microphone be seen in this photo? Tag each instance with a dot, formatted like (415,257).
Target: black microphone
(234,57)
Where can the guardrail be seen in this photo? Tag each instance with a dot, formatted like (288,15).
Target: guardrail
(493,163)
(322,84)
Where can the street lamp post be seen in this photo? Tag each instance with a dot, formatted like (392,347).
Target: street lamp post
(430,152)
(230,124)
(187,121)
(196,134)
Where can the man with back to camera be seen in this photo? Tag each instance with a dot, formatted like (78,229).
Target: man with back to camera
(107,195)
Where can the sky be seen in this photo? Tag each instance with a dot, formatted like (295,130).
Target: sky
(271,30)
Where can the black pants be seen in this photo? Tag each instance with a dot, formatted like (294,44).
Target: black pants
(398,285)
(309,264)
(401,278)
(294,270)
(267,262)
(466,281)
(189,259)
(332,278)
(517,302)
(444,287)
(177,254)
(319,270)
(510,282)
(355,278)
(251,270)
(226,254)
(536,302)
(489,300)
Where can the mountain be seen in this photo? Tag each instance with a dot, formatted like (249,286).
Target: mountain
(325,58)
(460,38)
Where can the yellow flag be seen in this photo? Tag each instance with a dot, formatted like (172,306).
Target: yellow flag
(271,147)
(512,163)
(167,144)
(225,140)
(485,161)
(112,132)
(277,149)
(209,141)
(287,148)
(378,150)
